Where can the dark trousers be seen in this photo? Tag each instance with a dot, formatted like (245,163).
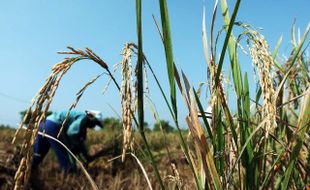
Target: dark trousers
(43,144)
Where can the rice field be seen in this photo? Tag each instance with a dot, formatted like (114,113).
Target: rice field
(263,145)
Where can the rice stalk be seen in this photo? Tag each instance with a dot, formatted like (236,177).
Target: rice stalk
(105,88)
(140,165)
(125,92)
(263,60)
(176,178)
(226,42)
(140,88)
(208,173)
(217,85)
(299,137)
(167,42)
(186,150)
(73,105)
(173,112)
(152,108)
(217,93)
(42,102)
(126,98)
(168,51)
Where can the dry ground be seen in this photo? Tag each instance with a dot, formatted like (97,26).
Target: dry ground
(107,174)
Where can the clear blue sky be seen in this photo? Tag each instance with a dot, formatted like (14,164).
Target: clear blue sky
(33,31)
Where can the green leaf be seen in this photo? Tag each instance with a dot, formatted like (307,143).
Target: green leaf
(228,35)
(160,88)
(246,99)
(302,41)
(140,65)
(245,145)
(201,110)
(274,54)
(251,176)
(303,127)
(168,51)
(140,90)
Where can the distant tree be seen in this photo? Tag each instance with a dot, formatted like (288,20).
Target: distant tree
(4,126)
(146,127)
(23,113)
(165,125)
(111,122)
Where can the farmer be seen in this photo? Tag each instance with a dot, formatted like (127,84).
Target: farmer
(73,136)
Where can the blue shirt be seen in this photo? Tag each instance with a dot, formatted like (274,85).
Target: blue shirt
(74,128)
(74,122)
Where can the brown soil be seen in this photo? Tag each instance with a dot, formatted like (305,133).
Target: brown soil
(106,174)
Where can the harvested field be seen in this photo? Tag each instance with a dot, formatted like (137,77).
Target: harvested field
(107,173)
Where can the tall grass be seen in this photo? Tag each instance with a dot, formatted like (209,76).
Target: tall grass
(264,145)
(244,149)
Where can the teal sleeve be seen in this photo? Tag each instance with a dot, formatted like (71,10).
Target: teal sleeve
(74,132)
(74,128)
(75,137)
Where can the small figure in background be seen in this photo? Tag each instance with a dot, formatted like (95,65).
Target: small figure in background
(73,136)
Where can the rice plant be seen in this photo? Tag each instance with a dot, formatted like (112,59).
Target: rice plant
(264,145)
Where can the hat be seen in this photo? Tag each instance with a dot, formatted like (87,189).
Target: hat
(95,116)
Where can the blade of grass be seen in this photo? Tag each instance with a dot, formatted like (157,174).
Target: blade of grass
(230,44)
(171,68)
(206,49)
(205,39)
(275,52)
(266,179)
(140,65)
(282,82)
(232,51)
(143,171)
(140,89)
(159,32)
(201,110)
(220,139)
(154,112)
(228,35)
(200,166)
(246,100)
(186,151)
(89,178)
(245,145)
(205,151)
(174,114)
(212,27)
(291,100)
(251,167)
(212,66)
(298,49)
(258,95)
(160,88)
(183,145)
(293,34)
(187,86)
(168,51)
(194,124)
(302,128)
(140,165)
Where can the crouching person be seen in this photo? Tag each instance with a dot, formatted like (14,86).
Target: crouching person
(73,136)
